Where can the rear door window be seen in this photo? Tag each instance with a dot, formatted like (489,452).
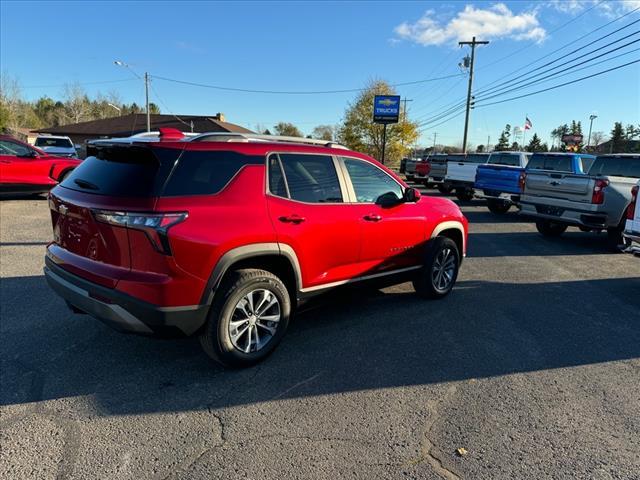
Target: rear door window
(370,182)
(616,166)
(308,178)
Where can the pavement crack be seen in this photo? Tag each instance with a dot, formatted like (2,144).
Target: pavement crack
(429,453)
(299,384)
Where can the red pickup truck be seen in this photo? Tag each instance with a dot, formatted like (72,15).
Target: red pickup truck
(27,169)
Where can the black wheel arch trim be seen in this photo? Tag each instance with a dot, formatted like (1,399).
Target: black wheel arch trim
(255,250)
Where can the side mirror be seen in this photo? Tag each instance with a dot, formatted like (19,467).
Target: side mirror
(412,194)
(388,199)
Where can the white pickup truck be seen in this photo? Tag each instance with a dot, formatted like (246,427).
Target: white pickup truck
(632,225)
(461,173)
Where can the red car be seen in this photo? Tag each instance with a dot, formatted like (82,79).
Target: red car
(223,235)
(27,169)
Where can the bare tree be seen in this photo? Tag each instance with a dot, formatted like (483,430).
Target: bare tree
(76,102)
(10,102)
(597,138)
(324,132)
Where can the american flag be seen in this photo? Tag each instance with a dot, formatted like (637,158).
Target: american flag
(527,123)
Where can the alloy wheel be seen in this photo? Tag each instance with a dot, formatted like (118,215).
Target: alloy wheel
(443,270)
(254,321)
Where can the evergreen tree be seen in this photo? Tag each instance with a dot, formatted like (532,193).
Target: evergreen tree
(618,141)
(503,141)
(535,145)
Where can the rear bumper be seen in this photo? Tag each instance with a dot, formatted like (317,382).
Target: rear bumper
(121,311)
(590,218)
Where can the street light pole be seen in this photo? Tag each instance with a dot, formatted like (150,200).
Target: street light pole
(117,108)
(146,89)
(473,44)
(591,118)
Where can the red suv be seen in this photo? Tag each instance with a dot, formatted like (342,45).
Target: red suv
(27,169)
(224,235)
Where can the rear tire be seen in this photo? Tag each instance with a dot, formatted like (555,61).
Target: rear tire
(437,277)
(615,239)
(499,207)
(235,341)
(443,188)
(464,194)
(549,228)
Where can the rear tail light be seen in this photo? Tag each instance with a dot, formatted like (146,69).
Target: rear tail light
(522,179)
(598,191)
(631,209)
(423,168)
(154,225)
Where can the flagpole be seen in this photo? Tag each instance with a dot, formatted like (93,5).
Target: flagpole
(524,134)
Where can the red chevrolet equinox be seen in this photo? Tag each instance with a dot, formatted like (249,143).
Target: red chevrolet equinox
(224,235)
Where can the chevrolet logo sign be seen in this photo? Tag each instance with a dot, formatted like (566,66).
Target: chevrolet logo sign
(387,102)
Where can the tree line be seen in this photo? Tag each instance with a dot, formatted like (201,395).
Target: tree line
(75,106)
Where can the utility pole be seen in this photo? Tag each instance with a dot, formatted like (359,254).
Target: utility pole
(404,117)
(591,118)
(435,135)
(473,44)
(488,142)
(404,111)
(146,93)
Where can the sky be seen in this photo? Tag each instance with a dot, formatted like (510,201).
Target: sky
(324,46)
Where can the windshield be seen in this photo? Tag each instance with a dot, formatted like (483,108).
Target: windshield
(43,142)
(615,166)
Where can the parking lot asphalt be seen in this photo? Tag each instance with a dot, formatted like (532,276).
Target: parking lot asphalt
(531,365)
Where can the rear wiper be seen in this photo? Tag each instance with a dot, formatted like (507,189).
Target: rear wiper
(85,184)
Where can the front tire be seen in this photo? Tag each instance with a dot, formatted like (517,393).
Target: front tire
(549,228)
(249,316)
(499,207)
(444,188)
(437,277)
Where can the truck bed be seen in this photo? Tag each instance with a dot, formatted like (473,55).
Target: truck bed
(495,179)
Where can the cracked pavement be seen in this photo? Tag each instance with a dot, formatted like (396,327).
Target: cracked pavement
(532,365)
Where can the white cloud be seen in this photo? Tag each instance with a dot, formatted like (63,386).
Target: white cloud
(494,22)
(607,8)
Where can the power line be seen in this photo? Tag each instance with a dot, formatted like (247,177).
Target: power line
(507,82)
(504,92)
(515,52)
(293,92)
(560,85)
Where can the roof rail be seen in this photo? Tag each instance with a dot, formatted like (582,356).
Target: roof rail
(253,137)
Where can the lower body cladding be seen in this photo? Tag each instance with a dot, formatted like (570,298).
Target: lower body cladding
(121,311)
(570,216)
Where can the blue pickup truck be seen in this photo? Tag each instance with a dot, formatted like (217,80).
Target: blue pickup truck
(501,180)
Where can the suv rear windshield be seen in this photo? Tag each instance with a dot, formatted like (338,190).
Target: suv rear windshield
(617,166)
(557,163)
(132,171)
(53,142)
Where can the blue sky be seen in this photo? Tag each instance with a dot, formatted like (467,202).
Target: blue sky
(322,46)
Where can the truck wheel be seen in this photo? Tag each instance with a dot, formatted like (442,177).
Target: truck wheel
(248,318)
(549,228)
(464,194)
(498,206)
(440,271)
(615,240)
(444,188)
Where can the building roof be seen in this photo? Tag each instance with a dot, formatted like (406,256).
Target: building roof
(126,125)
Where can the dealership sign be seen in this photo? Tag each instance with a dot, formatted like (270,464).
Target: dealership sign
(386,109)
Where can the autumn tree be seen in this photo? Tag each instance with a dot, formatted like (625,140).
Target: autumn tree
(358,131)
(287,129)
